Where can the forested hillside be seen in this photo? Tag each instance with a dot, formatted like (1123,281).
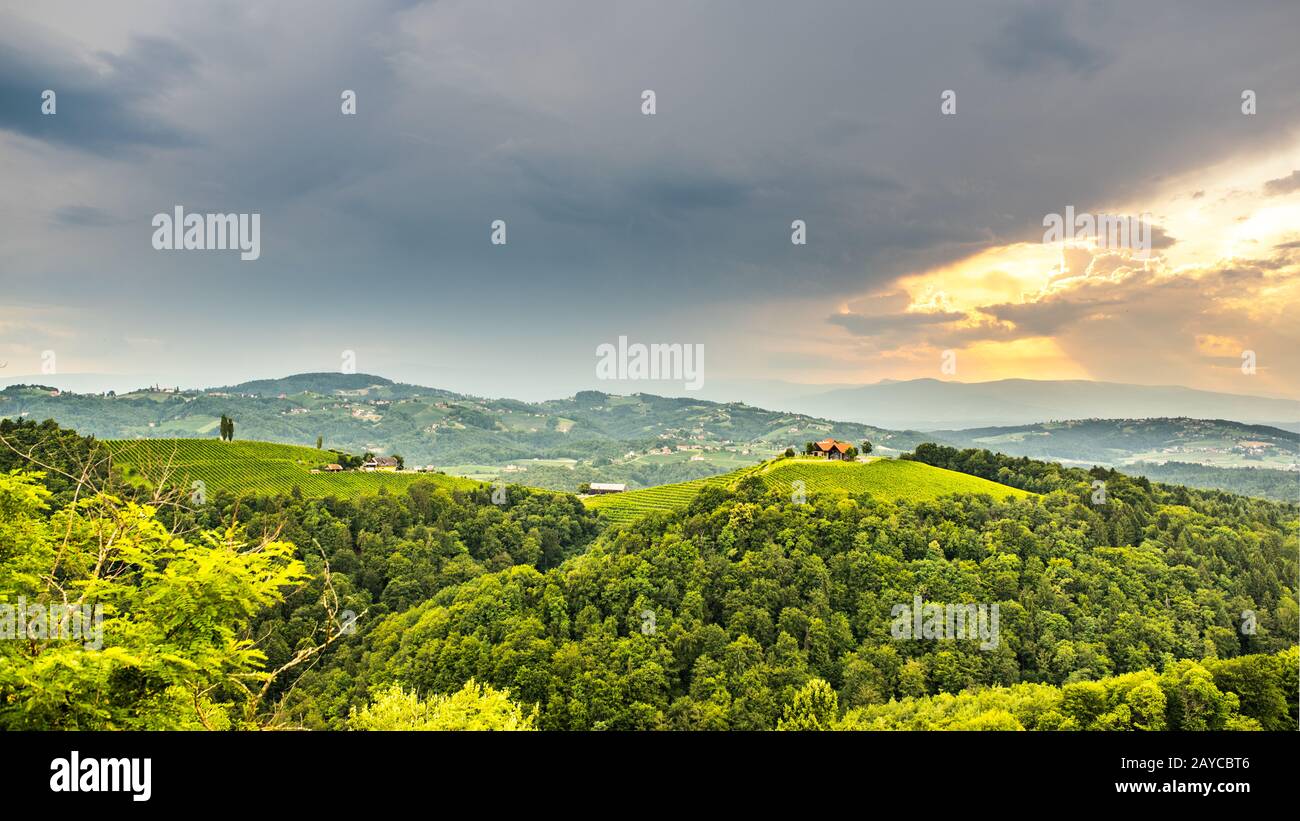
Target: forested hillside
(1278,485)
(1158,608)
(753,596)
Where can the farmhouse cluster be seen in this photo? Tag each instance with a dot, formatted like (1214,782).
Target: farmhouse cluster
(374,464)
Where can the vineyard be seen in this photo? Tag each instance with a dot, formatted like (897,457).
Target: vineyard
(629,505)
(883,478)
(247,468)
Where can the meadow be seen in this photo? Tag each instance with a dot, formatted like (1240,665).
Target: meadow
(248,468)
(884,478)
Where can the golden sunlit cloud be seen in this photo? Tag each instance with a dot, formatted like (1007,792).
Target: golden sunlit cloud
(1225,280)
(1002,274)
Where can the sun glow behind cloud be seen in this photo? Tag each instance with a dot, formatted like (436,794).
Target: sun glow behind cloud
(1226,281)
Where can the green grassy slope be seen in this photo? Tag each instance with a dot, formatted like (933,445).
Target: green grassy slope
(245,467)
(885,478)
(624,507)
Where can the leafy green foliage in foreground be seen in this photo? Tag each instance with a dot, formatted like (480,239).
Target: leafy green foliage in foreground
(172,650)
(212,611)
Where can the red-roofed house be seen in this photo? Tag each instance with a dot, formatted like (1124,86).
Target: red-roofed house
(831,449)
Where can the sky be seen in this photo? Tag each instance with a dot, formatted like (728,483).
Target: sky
(925,252)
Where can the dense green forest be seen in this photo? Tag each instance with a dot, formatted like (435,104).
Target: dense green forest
(1155,608)
(1278,485)
(1253,692)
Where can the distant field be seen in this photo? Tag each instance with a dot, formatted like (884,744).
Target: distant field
(1275,460)
(245,468)
(719,458)
(884,478)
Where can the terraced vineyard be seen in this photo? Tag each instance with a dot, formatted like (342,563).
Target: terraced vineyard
(246,468)
(632,504)
(883,478)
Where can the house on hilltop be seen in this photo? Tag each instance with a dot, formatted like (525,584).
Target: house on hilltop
(380,463)
(832,449)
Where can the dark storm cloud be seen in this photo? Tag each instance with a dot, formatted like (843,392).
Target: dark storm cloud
(528,112)
(96,111)
(1049,316)
(686,192)
(468,114)
(587,193)
(1036,38)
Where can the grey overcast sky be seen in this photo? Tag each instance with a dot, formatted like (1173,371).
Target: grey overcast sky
(925,230)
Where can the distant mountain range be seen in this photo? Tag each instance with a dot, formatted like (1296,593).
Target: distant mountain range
(1120,441)
(932,404)
(649,438)
(644,439)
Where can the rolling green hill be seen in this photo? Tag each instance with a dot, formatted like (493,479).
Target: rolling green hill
(245,467)
(643,440)
(886,478)
(624,507)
